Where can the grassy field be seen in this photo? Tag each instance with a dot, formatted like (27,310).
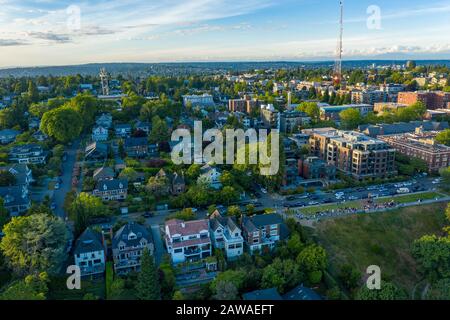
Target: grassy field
(334,206)
(380,239)
(408,198)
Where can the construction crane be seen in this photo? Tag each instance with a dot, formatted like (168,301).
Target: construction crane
(337,72)
(104,76)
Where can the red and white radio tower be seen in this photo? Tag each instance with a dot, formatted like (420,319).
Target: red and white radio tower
(337,72)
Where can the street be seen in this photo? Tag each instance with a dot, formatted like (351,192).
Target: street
(66,185)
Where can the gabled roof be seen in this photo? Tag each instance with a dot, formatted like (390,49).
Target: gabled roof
(103,172)
(185,228)
(254,223)
(135,142)
(19,170)
(114,184)
(89,241)
(132,228)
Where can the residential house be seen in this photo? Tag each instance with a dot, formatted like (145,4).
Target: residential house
(89,253)
(29,154)
(96,151)
(21,172)
(143,126)
(115,189)
(8,136)
(104,120)
(123,130)
(103,173)
(270,294)
(100,133)
(15,199)
(211,176)
(128,244)
(178,184)
(136,147)
(261,232)
(225,234)
(39,136)
(188,240)
(301,293)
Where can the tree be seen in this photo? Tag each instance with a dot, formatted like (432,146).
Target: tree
(193,172)
(7,179)
(128,173)
(443,137)
(160,131)
(148,287)
(177,296)
(234,211)
(282,274)
(63,124)
(440,290)
(86,106)
(349,277)
(388,291)
(433,255)
(350,119)
(34,243)
(229,195)
(4,214)
(85,208)
(33,93)
(226,291)
(312,258)
(236,277)
(33,287)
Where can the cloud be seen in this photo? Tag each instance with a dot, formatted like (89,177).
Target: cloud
(49,36)
(12,43)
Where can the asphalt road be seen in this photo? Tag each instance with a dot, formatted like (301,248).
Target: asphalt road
(66,185)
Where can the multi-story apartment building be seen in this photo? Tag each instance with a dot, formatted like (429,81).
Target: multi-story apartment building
(114,189)
(128,245)
(270,116)
(421,145)
(290,121)
(89,253)
(226,234)
(316,168)
(369,97)
(28,154)
(204,100)
(244,105)
(381,107)
(385,129)
(261,232)
(331,113)
(354,153)
(188,240)
(431,99)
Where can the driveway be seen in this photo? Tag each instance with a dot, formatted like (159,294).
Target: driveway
(66,185)
(159,246)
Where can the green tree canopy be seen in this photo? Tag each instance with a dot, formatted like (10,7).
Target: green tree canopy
(63,124)
(147,286)
(34,243)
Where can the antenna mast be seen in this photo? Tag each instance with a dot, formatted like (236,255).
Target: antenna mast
(337,73)
(104,79)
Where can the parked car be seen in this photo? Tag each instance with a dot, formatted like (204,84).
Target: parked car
(147,215)
(53,206)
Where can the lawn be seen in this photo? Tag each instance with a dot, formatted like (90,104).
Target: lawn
(408,198)
(383,239)
(333,206)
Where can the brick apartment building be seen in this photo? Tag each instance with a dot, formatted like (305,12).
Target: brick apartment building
(431,99)
(421,145)
(244,105)
(353,153)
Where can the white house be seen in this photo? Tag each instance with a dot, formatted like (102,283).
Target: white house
(99,133)
(211,176)
(187,240)
(89,253)
(104,120)
(225,234)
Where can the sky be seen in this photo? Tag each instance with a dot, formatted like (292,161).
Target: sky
(62,32)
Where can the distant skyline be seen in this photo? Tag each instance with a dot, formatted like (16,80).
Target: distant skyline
(47,33)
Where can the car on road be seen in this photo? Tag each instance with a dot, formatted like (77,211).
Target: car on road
(56,187)
(53,205)
(147,215)
(290,198)
(353,198)
(263,190)
(402,190)
(313,203)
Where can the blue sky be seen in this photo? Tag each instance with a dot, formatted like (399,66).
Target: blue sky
(47,32)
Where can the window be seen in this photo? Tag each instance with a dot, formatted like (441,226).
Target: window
(178,250)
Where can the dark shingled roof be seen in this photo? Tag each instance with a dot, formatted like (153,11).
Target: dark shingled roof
(301,293)
(89,241)
(137,229)
(265,294)
(258,221)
